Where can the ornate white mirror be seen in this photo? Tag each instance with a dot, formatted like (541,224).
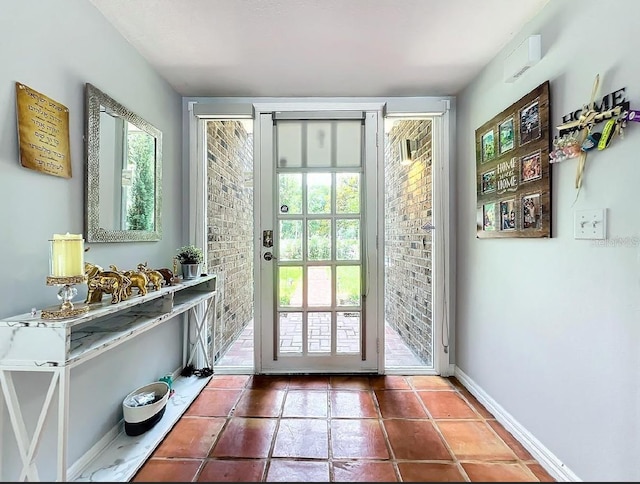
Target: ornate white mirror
(124,173)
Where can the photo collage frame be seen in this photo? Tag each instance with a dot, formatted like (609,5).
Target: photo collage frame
(513,175)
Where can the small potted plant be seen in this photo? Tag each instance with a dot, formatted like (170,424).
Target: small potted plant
(190,258)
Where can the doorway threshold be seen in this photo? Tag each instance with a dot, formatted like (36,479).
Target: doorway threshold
(399,360)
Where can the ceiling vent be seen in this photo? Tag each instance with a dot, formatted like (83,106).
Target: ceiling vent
(527,54)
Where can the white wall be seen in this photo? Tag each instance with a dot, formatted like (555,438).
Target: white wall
(55,47)
(549,328)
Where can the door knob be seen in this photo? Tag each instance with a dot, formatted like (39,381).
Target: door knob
(268,256)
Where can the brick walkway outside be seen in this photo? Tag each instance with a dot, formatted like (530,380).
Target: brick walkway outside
(397,353)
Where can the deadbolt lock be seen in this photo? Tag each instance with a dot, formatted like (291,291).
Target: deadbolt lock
(267,238)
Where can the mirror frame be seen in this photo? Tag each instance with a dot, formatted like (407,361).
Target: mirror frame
(94,98)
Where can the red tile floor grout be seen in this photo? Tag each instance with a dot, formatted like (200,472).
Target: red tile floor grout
(332,428)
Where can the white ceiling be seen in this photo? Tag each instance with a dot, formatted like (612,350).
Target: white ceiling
(306,48)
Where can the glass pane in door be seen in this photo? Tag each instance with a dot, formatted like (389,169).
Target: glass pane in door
(319,286)
(319,143)
(290,286)
(290,240)
(348,332)
(319,246)
(290,191)
(289,144)
(348,286)
(319,333)
(228,225)
(348,143)
(348,239)
(411,332)
(347,193)
(319,239)
(319,193)
(290,332)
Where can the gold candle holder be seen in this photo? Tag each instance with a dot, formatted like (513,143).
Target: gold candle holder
(66,259)
(66,293)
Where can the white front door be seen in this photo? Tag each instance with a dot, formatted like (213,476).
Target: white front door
(318,261)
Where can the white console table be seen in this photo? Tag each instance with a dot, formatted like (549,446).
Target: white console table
(29,343)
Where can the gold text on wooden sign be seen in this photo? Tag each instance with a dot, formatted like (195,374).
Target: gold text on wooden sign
(43,133)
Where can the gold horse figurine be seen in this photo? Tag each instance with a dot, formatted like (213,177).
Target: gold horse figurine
(138,279)
(155,278)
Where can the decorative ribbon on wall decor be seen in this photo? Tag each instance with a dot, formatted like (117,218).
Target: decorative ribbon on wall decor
(577,136)
(586,121)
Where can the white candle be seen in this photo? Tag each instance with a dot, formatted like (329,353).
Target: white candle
(67,255)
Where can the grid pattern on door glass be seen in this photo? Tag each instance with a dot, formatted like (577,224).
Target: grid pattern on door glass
(319,237)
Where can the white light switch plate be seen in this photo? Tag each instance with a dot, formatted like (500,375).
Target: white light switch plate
(590,224)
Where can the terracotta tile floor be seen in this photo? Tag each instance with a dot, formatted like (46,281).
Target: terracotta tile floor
(244,428)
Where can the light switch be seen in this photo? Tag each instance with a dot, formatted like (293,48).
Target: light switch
(590,224)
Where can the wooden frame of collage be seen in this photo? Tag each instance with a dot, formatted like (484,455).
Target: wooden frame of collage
(513,176)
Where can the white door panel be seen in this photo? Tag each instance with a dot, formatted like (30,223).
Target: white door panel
(317,177)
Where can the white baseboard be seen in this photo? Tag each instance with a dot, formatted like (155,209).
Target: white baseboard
(544,456)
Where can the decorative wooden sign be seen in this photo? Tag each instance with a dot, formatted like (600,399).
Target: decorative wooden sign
(43,133)
(572,122)
(513,178)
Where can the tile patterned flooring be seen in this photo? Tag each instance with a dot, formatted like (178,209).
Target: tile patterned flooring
(324,428)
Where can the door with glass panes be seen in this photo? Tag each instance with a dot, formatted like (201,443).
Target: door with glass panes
(316,242)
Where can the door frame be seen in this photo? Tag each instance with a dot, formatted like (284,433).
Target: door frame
(198,109)
(374,221)
(444,245)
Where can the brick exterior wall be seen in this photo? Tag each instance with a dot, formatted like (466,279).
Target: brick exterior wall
(230,226)
(408,248)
